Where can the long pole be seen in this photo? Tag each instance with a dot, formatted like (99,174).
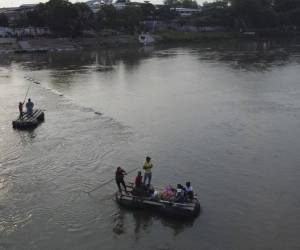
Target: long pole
(109,181)
(27,92)
(31,81)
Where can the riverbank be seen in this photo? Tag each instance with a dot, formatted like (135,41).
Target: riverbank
(45,44)
(172,36)
(31,45)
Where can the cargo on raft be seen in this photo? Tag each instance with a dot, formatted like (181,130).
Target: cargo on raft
(29,121)
(190,208)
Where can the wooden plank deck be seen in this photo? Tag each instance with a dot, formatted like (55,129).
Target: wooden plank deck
(29,120)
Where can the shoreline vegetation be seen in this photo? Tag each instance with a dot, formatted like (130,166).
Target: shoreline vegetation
(165,37)
(69,26)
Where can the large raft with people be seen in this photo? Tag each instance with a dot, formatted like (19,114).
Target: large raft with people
(167,206)
(29,121)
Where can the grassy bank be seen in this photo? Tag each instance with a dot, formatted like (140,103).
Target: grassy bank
(172,36)
(108,41)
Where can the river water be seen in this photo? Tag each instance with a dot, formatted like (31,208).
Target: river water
(224,116)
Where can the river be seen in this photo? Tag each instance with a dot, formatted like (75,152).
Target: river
(224,116)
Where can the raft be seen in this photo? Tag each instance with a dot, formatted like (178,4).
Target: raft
(29,121)
(169,208)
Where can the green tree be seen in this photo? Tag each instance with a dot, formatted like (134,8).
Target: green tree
(148,10)
(130,17)
(106,17)
(172,3)
(21,21)
(85,18)
(189,4)
(286,5)
(255,13)
(61,16)
(295,17)
(165,13)
(37,16)
(3,20)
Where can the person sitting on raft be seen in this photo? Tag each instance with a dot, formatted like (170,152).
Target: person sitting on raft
(29,106)
(139,188)
(180,193)
(189,191)
(138,180)
(120,173)
(21,109)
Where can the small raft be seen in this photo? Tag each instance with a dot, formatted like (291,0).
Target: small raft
(29,121)
(168,208)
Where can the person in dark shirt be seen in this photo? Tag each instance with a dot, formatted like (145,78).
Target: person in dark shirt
(179,196)
(21,109)
(120,173)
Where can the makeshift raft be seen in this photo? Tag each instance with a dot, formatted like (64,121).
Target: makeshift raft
(29,121)
(168,208)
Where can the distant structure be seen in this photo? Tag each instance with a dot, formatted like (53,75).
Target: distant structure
(15,13)
(120,4)
(95,5)
(6,32)
(185,12)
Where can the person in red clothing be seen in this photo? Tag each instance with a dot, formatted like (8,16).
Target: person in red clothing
(138,180)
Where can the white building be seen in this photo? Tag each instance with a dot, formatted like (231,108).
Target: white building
(120,4)
(185,12)
(6,32)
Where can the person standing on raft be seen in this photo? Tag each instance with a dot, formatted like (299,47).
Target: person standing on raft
(147,167)
(29,106)
(21,109)
(120,173)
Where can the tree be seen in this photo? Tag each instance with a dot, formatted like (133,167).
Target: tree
(3,20)
(37,16)
(189,4)
(85,18)
(165,13)
(106,17)
(286,5)
(130,17)
(256,13)
(61,16)
(148,10)
(295,17)
(20,21)
(172,3)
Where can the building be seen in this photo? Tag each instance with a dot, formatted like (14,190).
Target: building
(6,32)
(185,12)
(120,4)
(15,13)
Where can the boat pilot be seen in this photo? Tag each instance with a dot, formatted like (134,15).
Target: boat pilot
(147,167)
(21,109)
(120,173)
(29,106)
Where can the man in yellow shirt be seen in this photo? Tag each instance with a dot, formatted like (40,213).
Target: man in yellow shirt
(147,167)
